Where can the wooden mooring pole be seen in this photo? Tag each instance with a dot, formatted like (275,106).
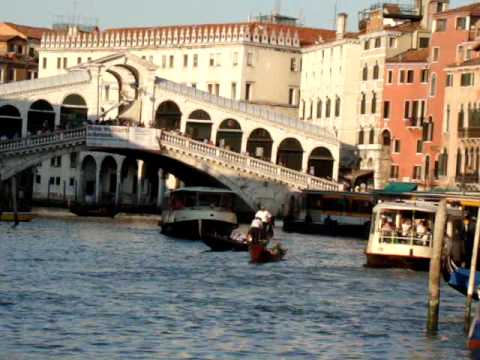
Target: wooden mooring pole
(14,200)
(471,278)
(435,268)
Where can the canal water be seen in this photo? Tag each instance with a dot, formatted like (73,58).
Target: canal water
(104,289)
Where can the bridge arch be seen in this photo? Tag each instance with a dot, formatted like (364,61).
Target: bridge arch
(41,117)
(260,144)
(108,180)
(230,135)
(199,125)
(73,112)
(88,182)
(129,181)
(10,122)
(320,163)
(290,154)
(168,116)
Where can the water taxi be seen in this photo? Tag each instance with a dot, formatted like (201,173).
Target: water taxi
(194,212)
(333,213)
(401,234)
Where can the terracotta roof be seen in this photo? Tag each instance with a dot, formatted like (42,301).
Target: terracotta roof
(308,36)
(410,56)
(4,38)
(475,7)
(29,31)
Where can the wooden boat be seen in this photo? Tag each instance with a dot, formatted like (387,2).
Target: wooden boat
(224,243)
(392,244)
(194,212)
(474,335)
(261,255)
(93,210)
(22,216)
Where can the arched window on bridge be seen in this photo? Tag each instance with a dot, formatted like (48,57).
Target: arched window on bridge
(259,144)
(320,163)
(74,112)
(199,126)
(229,135)
(290,154)
(168,116)
(41,117)
(10,122)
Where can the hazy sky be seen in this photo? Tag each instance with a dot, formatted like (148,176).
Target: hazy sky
(122,13)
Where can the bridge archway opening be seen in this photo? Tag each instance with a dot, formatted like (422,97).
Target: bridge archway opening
(41,117)
(168,116)
(73,112)
(230,135)
(10,122)
(290,154)
(129,181)
(108,180)
(320,163)
(199,126)
(149,189)
(259,144)
(88,179)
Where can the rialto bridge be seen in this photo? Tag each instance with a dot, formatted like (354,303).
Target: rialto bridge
(257,153)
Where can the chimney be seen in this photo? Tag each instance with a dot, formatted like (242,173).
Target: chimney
(341,25)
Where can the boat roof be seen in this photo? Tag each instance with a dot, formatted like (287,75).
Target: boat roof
(203,189)
(423,206)
(413,205)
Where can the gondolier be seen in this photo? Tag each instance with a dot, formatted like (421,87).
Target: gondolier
(255,231)
(266,217)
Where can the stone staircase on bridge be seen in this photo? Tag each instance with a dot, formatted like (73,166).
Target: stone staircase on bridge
(18,155)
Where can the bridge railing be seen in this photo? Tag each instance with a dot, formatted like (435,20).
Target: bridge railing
(247,163)
(248,108)
(44,139)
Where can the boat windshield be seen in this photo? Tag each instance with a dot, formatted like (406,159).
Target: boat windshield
(406,227)
(181,200)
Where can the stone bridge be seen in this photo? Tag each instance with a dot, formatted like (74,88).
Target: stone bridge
(253,180)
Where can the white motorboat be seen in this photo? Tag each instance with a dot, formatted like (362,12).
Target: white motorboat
(401,234)
(193,212)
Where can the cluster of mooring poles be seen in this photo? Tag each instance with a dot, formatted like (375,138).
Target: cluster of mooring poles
(435,271)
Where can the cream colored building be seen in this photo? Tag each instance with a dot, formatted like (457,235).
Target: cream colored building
(254,61)
(329,83)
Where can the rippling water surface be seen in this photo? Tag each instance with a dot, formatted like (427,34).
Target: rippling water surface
(104,289)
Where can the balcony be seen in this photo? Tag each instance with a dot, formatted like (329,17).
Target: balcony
(414,123)
(466,179)
(469,133)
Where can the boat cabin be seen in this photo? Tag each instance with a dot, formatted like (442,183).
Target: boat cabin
(200,197)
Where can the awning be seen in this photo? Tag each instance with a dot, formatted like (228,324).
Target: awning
(399,187)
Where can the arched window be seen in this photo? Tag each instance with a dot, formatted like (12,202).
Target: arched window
(363,104)
(361,137)
(447,119)
(319,109)
(371,138)
(461,119)
(302,109)
(328,108)
(310,109)
(433,85)
(365,73)
(458,169)
(374,103)
(427,167)
(386,138)
(376,72)
(337,106)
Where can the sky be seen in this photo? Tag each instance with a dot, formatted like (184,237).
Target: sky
(126,13)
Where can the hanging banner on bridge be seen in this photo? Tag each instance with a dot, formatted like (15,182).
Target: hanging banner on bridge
(121,137)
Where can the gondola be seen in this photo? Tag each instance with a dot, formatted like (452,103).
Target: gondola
(457,277)
(224,243)
(93,210)
(261,255)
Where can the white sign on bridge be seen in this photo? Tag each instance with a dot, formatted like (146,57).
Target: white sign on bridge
(120,137)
